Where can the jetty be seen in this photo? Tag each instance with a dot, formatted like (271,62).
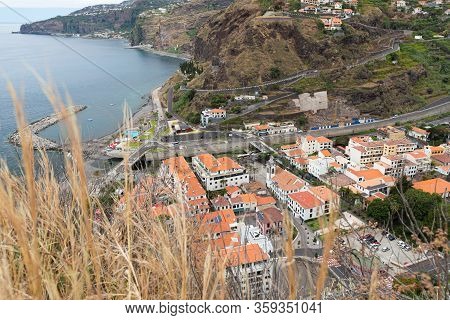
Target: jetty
(39,125)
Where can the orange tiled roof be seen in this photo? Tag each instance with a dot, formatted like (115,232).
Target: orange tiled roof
(294,153)
(437,185)
(367,174)
(217,222)
(324,193)
(217,111)
(227,240)
(419,130)
(232,189)
(418,154)
(326,153)
(262,127)
(306,199)
(287,181)
(220,164)
(262,201)
(241,255)
(323,139)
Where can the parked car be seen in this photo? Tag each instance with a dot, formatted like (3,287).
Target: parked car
(385,249)
(400,243)
(390,237)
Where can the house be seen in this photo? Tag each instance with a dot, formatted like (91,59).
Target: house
(310,9)
(418,10)
(432,151)
(212,115)
(437,185)
(311,2)
(264,202)
(244,203)
(270,221)
(368,188)
(310,144)
(214,224)
(221,203)
(261,130)
(218,173)
(332,23)
(418,133)
(329,198)
(227,240)
(363,175)
(390,133)
(442,159)
(245,98)
(233,191)
(282,182)
(321,166)
(305,205)
(338,5)
(249,265)
(348,12)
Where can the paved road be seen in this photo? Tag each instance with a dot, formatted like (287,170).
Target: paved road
(438,107)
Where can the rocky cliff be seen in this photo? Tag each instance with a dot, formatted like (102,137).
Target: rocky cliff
(244,45)
(99,18)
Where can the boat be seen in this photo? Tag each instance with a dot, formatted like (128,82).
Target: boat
(90,119)
(112,104)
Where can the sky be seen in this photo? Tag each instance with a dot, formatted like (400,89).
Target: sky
(55,3)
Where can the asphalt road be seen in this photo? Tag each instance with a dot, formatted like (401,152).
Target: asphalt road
(438,107)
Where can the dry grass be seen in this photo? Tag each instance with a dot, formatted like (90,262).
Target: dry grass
(58,242)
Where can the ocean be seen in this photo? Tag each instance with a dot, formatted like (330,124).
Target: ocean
(101,74)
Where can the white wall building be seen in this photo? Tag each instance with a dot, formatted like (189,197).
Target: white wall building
(216,174)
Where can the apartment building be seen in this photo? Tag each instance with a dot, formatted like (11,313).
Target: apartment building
(218,173)
(182,179)
(364,151)
(420,159)
(418,133)
(391,165)
(248,270)
(391,133)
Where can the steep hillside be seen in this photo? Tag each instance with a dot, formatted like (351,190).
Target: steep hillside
(99,18)
(175,30)
(243,45)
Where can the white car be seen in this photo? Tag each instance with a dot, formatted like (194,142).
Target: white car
(384,249)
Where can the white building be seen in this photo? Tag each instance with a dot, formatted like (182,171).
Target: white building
(310,144)
(282,182)
(212,115)
(216,174)
(418,133)
(313,203)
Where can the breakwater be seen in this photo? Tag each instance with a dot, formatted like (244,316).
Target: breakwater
(39,125)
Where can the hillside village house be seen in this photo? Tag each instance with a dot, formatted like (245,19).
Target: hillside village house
(212,115)
(420,159)
(218,173)
(418,133)
(332,23)
(270,220)
(282,182)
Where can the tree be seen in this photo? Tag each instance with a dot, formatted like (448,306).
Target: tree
(275,73)
(379,210)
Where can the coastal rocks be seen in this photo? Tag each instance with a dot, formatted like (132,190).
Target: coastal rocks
(38,142)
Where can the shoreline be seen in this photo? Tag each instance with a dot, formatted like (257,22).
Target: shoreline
(148,48)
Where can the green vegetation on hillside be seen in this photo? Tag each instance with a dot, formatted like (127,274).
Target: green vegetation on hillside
(404,81)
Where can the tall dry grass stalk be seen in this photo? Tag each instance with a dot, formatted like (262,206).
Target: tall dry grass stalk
(50,248)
